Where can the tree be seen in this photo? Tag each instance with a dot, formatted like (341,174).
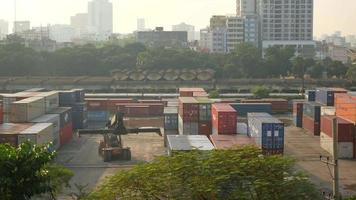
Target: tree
(260,92)
(278,60)
(351,73)
(301,66)
(27,171)
(214,94)
(239,173)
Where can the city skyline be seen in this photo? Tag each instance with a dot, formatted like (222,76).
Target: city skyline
(126,13)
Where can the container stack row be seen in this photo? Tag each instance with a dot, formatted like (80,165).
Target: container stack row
(75,100)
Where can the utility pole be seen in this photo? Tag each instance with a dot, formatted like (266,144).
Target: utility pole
(334,163)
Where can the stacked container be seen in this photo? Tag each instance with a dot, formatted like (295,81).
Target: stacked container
(205,123)
(189,92)
(325,96)
(188,116)
(346,138)
(267,131)
(171,118)
(27,109)
(224,119)
(9,132)
(298,113)
(310,95)
(178,143)
(244,108)
(311,117)
(345,105)
(230,141)
(65,124)
(79,115)
(40,134)
(51,100)
(277,105)
(55,120)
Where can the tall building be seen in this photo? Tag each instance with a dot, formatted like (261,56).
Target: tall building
(251,29)
(61,33)
(287,23)
(21,26)
(4,28)
(162,38)
(185,27)
(141,24)
(245,7)
(205,41)
(80,23)
(234,32)
(100,16)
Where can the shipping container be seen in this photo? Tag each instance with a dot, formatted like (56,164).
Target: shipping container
(346,129)
(326,96)
(327,110)
(311,125)
(27,109)
(51,100)
(277,105)
(98,116)
(97,104)
(224,119)
(171,118)
(310,95)
(345,149)
(39,133)
(188,109)
(298,113)
(55,120)
(79,95)
(188,92)
(36,90)
(345,107)
(168,132)
(66,134)
(204,109)
(200,94)
(188,143)
(205,128)
(267,131)
(244,108)
(230,141)
(65,115)
(187,128)
(242,128)
(66,98)
(79,119)
(312,110)
(9,132)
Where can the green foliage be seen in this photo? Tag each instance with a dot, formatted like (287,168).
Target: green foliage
(82,193)
(301,66)
(350,198)
(351,73)
(240,173)
(278,60)
(260,92)
(27,171)
(214,94)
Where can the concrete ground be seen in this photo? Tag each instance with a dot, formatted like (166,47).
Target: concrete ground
(81,156)
(306,150)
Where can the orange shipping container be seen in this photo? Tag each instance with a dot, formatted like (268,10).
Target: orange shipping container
(345,107)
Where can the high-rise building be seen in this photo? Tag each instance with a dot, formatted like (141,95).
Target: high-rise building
(80,23)
(141,24)
(287,23)
(185,27)
(234,32)
(61,33)
(21,26)
(100,16)
(161,38)
(4,28)
(245,7)
(251,29)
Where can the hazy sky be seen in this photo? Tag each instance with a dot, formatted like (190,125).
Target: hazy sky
(330,15)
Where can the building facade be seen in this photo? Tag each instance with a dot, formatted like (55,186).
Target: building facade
(287,23)
(162,38)
(234,32)
(245,7)
(21,26)
(185,27)
(62,33)
(100,18)
(4,29)
(251,29)
(141,24)
(80,23)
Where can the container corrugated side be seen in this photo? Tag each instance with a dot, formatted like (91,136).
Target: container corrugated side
(40,134)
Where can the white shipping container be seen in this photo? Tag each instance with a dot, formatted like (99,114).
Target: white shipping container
(187,128)
(41,133)
(328,110)
(242,128)
(49,118)
(345,149)
(188,142)
(51,100)
(27,109)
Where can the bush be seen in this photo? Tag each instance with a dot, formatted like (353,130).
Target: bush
(260,92)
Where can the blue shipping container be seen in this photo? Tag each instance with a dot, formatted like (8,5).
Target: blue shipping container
(312,109)
(326,96)
(80,107)
(244,108)
(267,131)
(79,95)
(298,120)
(98,116)
(311,95)
(79,119)
(66,98)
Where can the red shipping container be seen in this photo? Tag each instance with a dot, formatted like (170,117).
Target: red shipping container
(188,109)
(205,128)
(310,125)
(137,111)
(66,134)
(189,92)
(346,129)
(297,107)
(224,119)
(278,105)
(97,104)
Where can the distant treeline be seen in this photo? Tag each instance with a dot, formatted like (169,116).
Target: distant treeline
(244,62)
